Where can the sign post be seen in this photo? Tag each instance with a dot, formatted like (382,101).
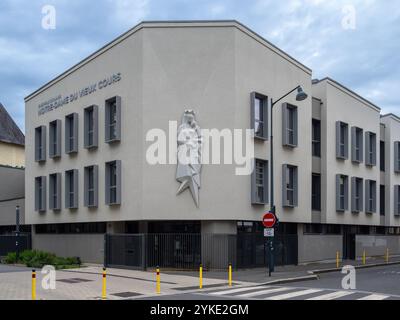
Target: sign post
(269,221)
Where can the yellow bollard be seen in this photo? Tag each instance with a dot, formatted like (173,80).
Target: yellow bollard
(387,255)
(158,286)
(201,277)
(33,284)
(230,275)
(337,260)
(364,257)
(104,289)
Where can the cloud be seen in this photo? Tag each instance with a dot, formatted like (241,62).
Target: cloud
(365,59)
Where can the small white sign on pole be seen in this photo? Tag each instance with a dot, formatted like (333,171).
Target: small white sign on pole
(269,232)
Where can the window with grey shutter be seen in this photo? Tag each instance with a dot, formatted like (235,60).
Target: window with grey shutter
(55,191)
(370,149)
(113,120)
(91,127)
(71,189)
(396,197)
(289,125)
(259,115)
(342,140)
(40,194)
(40,144)
(342,193)
(91,186)
(397,157)
(370,196)
(289,186)
(357,144)
(113,182)
(55,139)
(259,182)
(357,194)
(71,133)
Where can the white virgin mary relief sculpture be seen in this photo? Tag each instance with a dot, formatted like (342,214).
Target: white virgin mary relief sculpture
(189,155)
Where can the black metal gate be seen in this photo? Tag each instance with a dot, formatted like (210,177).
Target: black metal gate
(252,250)
(8,243)
(125,251)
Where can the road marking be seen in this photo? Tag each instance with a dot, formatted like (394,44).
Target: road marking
(374,297)
(220,293)
(259,293)
(294,294)
(332,295)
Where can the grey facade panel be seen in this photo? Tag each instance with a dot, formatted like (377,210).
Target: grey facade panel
(357,145)
(357,185)
(71,133)
(117,186)
(341,207)
(55,139)
(342,151)
(40,144)
(289,185)
(91,135)
(55,191)
(40,194)
(396,157)
(289,130)
(396,200)
(255,199)
(370,196)
(71,189)
(116,128)
(95,201)
(265,107)
(370,149)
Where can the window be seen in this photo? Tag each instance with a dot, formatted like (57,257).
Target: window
(313,228)
(113,182)
(71,133)
(40,194)
(91,119)
(342,140)
(370,196)
(316,138)
(342,193)
(55,191)
(316,192)
(289,127)
(71,189)
(396,200)
(333,229)
(289,186)
(259,115)
(356,194)
(113,120)
(40,144)
(55,139)
(382,155)
(356,144)
(67,228)
(370,149)
(397,157)
(382,193)
(259,186)
(91,186)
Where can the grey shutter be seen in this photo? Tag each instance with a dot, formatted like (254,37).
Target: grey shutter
(346,193)
(58,186)
(361,146)
(43,141)
(338,208)
(107,183)
(338,155)
(119,177)
(96,185)
(396,199)
(75,188)
(367,188)
(266,108)
(51,191)
(374,184)
(396,158)
(36,195)
(295,187)
(86,121)
(86,186)
(367,148)
(37,155)
(118,128)
(346,141)
(118,119)
(44,193)
(75,133)
(252,110)
(295,134)
(353,144)
(374,149)
(58,132)
(253,184)
(353,194)
(361,195)
(95,143)
(266,189)
(284,180)
(285,116)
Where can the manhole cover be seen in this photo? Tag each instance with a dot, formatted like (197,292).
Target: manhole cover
(74,280)
(126,294)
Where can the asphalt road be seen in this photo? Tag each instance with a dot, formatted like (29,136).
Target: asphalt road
(377,282)
(6,268)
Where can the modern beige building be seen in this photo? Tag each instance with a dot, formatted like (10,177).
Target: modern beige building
(87,134)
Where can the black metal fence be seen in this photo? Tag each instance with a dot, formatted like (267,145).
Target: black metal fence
(8,243)
(188,251)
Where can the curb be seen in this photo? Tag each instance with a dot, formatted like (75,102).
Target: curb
(289,280)
(320,271)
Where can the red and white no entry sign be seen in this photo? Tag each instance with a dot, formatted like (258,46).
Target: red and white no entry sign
(269,220)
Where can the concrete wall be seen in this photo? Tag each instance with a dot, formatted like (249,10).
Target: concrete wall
(319,247)
(377,245)
(89,247)
(8,212)
(12,155)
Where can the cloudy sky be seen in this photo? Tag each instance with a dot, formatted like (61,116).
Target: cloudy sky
(355,42)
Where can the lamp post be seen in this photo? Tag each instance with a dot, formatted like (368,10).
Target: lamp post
(17,232)
(300,96)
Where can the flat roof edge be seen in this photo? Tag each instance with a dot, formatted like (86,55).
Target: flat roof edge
(167,23)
